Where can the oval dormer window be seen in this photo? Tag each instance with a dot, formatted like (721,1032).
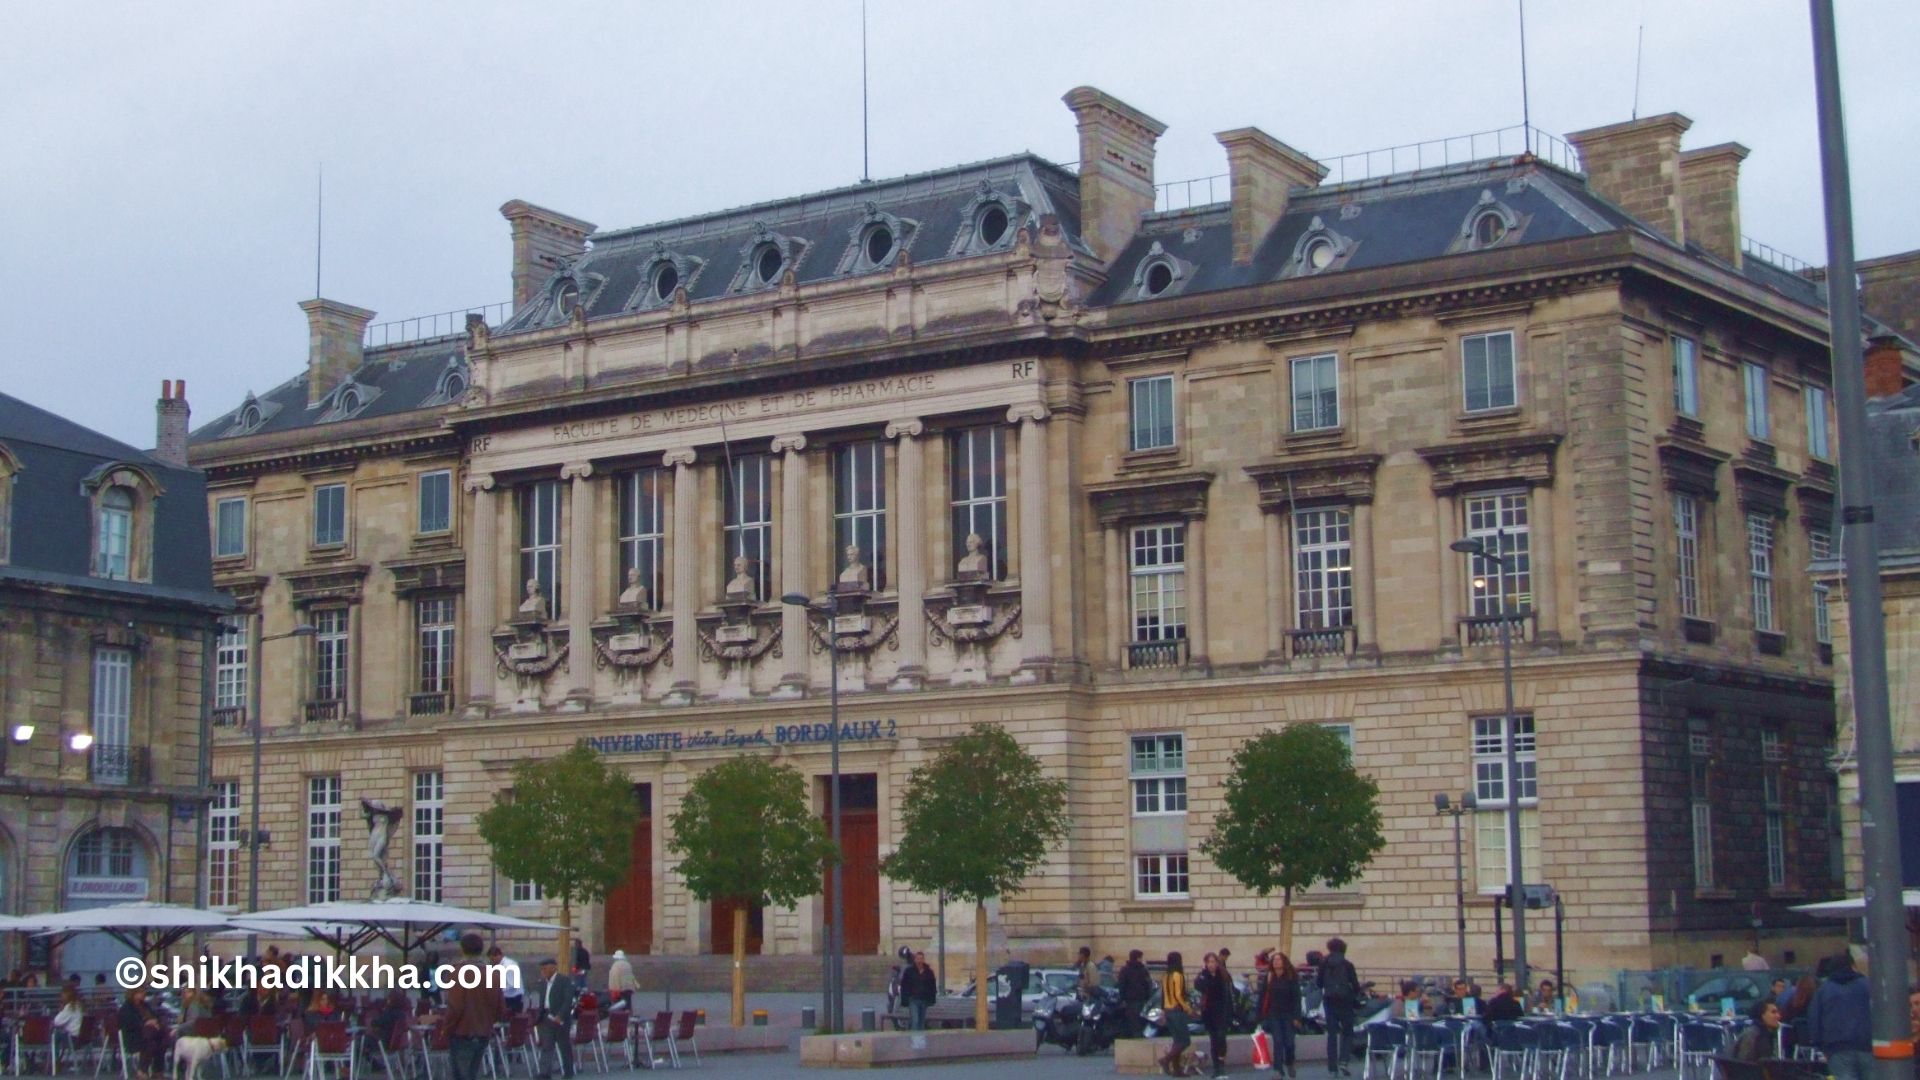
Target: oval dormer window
(879,244)
(767,262)
(250,417)
(1320,255)
(665,280)
(568,299)
(1159,279)
(993,224)
(456,386)
(1489,229)
(349,402)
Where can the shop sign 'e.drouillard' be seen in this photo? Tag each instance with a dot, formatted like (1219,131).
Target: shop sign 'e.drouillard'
(640,742)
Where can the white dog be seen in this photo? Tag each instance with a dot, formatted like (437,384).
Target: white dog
(192,1051)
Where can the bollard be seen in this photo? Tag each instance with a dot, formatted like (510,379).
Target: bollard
(759,1018)
(808,1018)
(869,1020)
(700,1018)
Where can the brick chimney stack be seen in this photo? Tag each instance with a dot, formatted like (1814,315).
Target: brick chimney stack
(1116,168)
(336,335)
(1710,198)
(1262,175)
(1637,165)
(1886,366)
(540,237)
(170,423)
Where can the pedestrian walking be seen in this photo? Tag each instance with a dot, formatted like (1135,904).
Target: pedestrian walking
(1136,990)
(920,988)
(471,1014)
(1174,1006)
(1839,1022)
(1280,1011)
(620,981)
(554,1018)
(1340,996)
(1216,1009)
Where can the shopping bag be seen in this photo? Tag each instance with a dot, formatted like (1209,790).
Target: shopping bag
(1262,1050)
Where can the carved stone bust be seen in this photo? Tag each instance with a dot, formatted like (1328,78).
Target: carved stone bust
(742,586)
(856,575)
(635,594)
(534,606)
(974,562)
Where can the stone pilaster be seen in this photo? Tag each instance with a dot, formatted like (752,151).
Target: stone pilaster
(686,577)
(1546,613)
(1197,591)
(1279,585)
(910,532)
(482,573)
(1115,539)
(795,556)
(580,578)
(1036,577)
(1446,528)
(1366,631)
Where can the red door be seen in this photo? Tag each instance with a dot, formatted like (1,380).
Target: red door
(628,911)
(860,870)
(720,940)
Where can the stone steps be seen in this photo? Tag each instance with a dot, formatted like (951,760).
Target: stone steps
(765,974)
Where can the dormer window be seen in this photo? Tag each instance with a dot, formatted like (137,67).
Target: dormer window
(1161,273)
(1489,229)
(567,300)
(1320,254)
(666,278)
(113,556)
(250,418)
(991,224)
(1159,278)
(878,245)
(1489,224)
(767,262)
(120,499)
(455,386)
(1319,249)
(349,402)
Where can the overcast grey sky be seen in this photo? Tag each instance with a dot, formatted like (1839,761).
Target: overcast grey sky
(157,175)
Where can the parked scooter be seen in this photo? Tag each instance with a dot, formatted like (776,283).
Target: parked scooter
(1058,1019)
(1102,1020)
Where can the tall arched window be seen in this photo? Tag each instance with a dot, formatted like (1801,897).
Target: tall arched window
(113,553)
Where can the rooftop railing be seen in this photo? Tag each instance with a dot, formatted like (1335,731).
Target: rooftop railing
(440,324)
(1768,253)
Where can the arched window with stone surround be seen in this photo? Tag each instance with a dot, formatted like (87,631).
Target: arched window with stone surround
(121,510)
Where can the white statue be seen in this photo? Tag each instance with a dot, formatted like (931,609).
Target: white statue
(535,603)
(742,586)
(635,594)
(381,822)
(855,575)
(974,562)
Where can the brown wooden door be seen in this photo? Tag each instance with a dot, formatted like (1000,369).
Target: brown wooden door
(720,939)
(628,911)
(860,870)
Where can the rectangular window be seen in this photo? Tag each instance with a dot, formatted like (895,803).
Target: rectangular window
(1820,546)
(329,515)
(1818,444)
(231,662)
(1686,377)
(112,715)
(434,616)
(223,844)
(1686,553)
(747,521)
(114,554)
(1486,362)
(527,892)
(540,542)
(1760,569)
(1159,774)
(641,532)
(1776,829)
(104,853)
(1160,877)
(1700,797)
(1323,569)
(436,501)
(1759,422)
(1159,576)
(429,806)
(860,509)
(1490,792)
(229,528)
(1316,392)
(330,654)
(323,839)
(1500,521)
(1157,768)
(977,479)
(1151,426)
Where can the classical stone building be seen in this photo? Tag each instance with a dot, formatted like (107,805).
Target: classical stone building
(1131,482)
(107,614)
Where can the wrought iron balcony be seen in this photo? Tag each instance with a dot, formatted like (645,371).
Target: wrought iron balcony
(117,763)
(326,709)
(1485,629)
(432,703)
(1168,653)
(1321,641)
(230,716)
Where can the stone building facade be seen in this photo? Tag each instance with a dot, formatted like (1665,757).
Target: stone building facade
(1132,483)
(107,614)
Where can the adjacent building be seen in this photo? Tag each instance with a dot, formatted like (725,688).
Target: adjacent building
(1131,480)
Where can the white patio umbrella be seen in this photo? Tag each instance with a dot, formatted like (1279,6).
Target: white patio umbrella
(335,934)
(1853,907)
(143,926)
(405,924)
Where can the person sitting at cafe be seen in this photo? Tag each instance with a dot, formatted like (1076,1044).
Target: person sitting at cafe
(66,1022)
(1411,1003)
(142,1031)
(1546,997)
(1760,1042)
(321,1010)
(1465,999)
(1505,1005)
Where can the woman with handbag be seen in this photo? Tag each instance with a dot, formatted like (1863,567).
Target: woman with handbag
(1216,1009)
(1173,1002)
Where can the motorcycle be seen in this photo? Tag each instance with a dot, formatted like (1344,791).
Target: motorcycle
(1058,1019)
(1102,1020)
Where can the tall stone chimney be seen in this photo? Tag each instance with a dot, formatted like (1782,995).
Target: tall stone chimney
(1886,364)
(1116,168)
(170,423)
(1890,291)
(540,236)
(336,333)
(1710,198)
(1262,173)
(1637,165)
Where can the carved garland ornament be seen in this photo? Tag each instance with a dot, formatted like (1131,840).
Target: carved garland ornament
(534,667)
(765,638)
(864,642)
(1005,620)
(604,656)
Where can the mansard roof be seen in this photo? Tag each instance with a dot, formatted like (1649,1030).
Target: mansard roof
(392,380)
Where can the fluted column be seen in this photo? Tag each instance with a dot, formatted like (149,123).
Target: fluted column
(1036,572)
(1446,529)
(910,530)
(1279,584)
(482,573)
(686,577)
(1197,591)
(794,562)
(580,580)
(1365,623)
(1546,615)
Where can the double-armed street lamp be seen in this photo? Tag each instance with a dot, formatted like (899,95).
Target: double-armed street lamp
(303,630)
(832,973)
(1455,810)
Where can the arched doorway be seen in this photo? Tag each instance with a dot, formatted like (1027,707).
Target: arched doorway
(104,866)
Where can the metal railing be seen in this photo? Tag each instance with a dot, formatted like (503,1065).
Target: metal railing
(431,703)
(117,763)
(1770,254)
(1170,653)
(439,324)
(1485,629)
(230,716)
(1322,641)
(325,709)
(1179,194)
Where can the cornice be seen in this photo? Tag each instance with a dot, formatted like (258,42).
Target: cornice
(1527,458)
(1295,481)
(1181,495)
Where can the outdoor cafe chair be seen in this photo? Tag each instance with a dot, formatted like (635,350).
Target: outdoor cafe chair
(263,1038)
(619,1033)
(1428,1041)
(111,1042)
(1512,1044)
(435,1044)
(396,1050)
(1386,1039)
(33,1038)
(330,1044)
(586,1033)
(1607,1043)
(1802,1039)
(659,1032)
(684,1032)
(518,1039)
(1699,1043)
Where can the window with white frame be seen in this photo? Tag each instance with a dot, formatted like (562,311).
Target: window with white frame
(1700,799)
(331,654)
(1753,378)
(112,753)
(977,479)
(1686,553)
(527,892)
(434,620)
(229,528)
(429,829)
(1490,791)
(1323,569)
(1486,371)
(1818,443)
(1158,573)
(641,531)
(223,844)
(1686,376)
(747,519)
(436,501)
(540,541)
(1160,877)
(113,538)
(1760,569)
(1820,546)
(1150,423)
(1776,809)
(860,508)
(232,663)
(1501,522)
(1157,774)
(1316,392)
(323,839)
(329,515)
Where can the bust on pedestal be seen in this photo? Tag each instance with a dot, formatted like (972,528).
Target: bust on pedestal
(533,608)
(634,596)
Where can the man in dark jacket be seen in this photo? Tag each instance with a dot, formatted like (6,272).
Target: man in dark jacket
(1839,1020)
(1340,995)
(1504,1006)
(919,988)
(555,1017)
(1136,989)
(471,1013)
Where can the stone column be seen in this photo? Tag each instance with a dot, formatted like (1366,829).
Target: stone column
(1197,591)
(1545,613)
(1115,538)
(1279,585)
(686,578)
(795,559)
(580,580)
(910,531)
(482,572)
(1036,576)
(1366,640)
(1446,529)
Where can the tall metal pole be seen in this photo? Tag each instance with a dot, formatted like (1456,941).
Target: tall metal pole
(837,932)
(1460,892)
(1516,880)
(1860,546)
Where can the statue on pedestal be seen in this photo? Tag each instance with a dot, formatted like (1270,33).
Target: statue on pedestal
(381,822)
(534,606)
(855,577)
(974,562)
(635,594)
(742,585)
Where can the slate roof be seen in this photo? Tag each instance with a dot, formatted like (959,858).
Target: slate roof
(392,380)
(1893,425)
(52,528)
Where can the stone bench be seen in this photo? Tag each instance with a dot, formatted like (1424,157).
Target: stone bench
(941,1014)
(1140,1057)
(874,1049)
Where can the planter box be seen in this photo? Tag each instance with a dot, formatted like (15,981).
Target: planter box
(872,1049)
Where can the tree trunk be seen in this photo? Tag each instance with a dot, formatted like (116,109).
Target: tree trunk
(740,965)
(1286,922)
(982,981)
(564,961)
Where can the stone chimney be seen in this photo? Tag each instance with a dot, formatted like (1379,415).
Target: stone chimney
(1890,291)
(1636,165)
(1886,364)
(1710,198)
(1116,168)
(170,423)
(540,236)
(336,333)
(1262,173)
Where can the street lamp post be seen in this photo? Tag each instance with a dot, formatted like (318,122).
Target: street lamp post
(1516,887)
(253,721)
(833,964)
(1441,805)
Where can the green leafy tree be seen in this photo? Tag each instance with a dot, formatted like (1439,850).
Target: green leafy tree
(744,833)
(1296,814)
(977,820)
(567,826)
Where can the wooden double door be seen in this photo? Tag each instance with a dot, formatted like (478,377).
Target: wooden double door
(860,862)
(627,914)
